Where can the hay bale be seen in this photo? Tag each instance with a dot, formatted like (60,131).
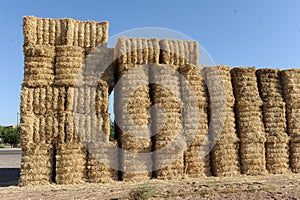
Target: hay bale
(245,86)
(277,155)
(252,157)
(30,30)
(102,162)
(179,52)
(218,80)
(46,31)
(70,163)
(39,69)
(37,165)
(197,164)
(69,63)
(52,32)
(101,62)
(101,33)
(295,157)
(193,85)
(39,31)
(26,129)
(126,51)
(225,159)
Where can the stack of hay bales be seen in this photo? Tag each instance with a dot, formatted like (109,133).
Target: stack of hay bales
(56,113)
(291,85)
(36,112)
(271,92)
(132,104)
(70,153)
(169,136)
(195,120)
(223,136)
(249,121)
(102,154)
(169,143)
(53,32)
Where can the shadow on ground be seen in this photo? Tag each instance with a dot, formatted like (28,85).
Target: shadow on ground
(9,176)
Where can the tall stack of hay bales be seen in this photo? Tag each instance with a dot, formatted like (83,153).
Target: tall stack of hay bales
(102,155)
(222,131)
(36,113)
(167,128)
(291,85)
(56,104)
(132,104)
(250,125)
(195,120)
(70,152)
(271,92)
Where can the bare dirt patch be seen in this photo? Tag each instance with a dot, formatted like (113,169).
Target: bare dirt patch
(241,187)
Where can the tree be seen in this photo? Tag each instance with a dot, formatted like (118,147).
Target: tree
(10,135)
(112,130)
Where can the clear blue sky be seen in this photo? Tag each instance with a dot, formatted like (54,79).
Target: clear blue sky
(261,33)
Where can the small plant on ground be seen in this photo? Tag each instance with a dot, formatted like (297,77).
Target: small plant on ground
(144,192)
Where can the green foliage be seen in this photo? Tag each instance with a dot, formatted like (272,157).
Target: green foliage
(144,192)
(10,135)
(112,130)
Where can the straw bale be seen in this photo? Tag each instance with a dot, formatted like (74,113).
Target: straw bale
(128,52)
(69,130)
(81,128)
(46,31)
(49,129)
(80,101)
(52,32)
(58,32)
(295,157)
(87,34)
(69,51)
(26,129)
(24,99)
(39,31)
(36,165)
(81,32)
(252,157)
(60,137)
(174,170)
(36,100)
(69,98)
(61,99)
(173,55)
(225,159)
(42,126)
(45,51)
(70,165)
(30,30)
(102,33)
(277,157)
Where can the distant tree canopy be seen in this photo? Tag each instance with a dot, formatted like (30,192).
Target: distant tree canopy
(10,135)
(112,130)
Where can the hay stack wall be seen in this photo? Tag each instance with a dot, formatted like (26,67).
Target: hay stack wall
(277,144)
(222,131)
(54,109)
(250,125)
(69,74)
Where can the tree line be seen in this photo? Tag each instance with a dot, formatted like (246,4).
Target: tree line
(10,135)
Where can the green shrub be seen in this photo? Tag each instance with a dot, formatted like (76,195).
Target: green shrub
(144,192)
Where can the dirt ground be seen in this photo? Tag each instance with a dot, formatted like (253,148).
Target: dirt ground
(241,187)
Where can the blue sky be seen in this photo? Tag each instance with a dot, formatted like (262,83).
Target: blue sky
(261,33)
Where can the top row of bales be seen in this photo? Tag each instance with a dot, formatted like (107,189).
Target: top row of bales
(54,32)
